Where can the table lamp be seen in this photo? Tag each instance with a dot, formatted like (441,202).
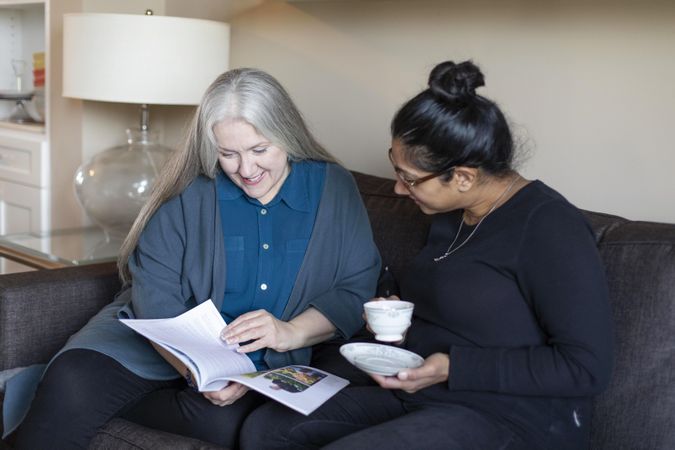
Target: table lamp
(142,59)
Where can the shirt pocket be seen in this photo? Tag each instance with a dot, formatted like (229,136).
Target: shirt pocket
(234,263)
(296,246)
(295,253)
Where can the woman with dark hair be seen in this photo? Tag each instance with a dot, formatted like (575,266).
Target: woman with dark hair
(511,303)
(253,214)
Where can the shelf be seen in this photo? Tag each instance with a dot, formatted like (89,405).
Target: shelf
(30,127)
(15,3)
(22,34)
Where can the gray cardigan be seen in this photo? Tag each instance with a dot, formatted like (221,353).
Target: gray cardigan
(184,243)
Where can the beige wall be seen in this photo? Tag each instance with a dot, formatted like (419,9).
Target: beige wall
(588,88)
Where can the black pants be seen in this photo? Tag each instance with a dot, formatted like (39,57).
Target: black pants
(83,389)
(364,416)
(368,417)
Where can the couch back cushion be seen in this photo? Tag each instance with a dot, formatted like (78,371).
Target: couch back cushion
(399,227)
(30,301)
(638,408)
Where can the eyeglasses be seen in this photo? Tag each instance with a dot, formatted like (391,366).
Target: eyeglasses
(412,182)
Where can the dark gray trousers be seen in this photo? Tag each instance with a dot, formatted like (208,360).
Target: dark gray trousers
(369,418)
(84,389)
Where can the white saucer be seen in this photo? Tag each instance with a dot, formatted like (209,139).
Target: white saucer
(380,359)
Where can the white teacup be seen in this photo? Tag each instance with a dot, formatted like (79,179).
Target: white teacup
(388,318)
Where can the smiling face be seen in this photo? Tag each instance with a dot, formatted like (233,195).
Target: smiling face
(250,160)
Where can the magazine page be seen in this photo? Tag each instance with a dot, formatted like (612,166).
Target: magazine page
(300,388)
(194,338)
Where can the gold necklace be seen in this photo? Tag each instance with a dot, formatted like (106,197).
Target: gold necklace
(451,250)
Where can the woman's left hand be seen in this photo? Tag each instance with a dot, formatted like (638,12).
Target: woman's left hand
(434,370)
(227,395)
(263,329)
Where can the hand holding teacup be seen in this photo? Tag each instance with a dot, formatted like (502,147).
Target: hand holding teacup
(388,319)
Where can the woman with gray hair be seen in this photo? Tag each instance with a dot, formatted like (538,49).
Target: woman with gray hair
(253,214)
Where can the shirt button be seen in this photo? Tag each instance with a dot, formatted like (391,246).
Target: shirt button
(263,211)
(263,286)
(266,246)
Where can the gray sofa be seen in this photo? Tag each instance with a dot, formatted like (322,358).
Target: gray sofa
(39,310)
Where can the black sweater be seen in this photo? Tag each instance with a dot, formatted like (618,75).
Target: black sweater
(522,308)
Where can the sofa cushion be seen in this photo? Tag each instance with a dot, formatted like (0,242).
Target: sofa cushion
(602,223)
(399,227)
(637,409)
(40,310)
(119,434)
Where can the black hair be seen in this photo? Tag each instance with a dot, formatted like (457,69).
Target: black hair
(448,124)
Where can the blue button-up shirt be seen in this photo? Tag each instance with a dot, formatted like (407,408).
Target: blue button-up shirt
(265,244)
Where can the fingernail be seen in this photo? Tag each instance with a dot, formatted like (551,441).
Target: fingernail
(403,375)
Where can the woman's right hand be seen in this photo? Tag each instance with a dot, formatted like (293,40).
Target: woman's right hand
(436,369)
(227,395)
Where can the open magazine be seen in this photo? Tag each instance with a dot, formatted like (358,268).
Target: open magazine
(194,338)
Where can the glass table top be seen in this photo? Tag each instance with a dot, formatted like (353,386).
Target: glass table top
(9,266)
(71,247)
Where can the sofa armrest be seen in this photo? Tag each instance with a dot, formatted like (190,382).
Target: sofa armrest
(40,310)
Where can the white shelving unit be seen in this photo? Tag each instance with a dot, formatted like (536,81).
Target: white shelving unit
(37,161)
(23,148)
(22,27)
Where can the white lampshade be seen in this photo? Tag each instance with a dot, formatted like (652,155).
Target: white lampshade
(142,59)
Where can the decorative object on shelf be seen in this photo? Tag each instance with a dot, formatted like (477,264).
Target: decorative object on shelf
(25,109)
(38,69)
(19,113)
(19,67)
(141,59)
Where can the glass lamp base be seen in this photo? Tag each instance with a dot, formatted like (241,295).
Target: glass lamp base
(113,186)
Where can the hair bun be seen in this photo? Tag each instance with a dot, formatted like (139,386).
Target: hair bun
(455,82)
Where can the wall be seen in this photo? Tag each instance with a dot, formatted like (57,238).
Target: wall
(587,85)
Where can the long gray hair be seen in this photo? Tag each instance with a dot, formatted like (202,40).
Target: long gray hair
(245,94)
